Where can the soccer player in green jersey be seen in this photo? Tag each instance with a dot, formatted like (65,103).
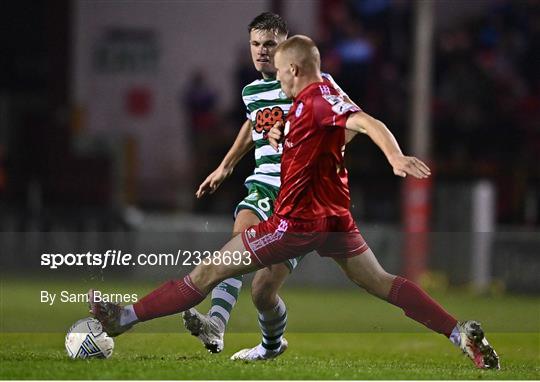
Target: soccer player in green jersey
(266,105)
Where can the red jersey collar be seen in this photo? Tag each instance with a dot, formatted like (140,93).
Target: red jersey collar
(308,88)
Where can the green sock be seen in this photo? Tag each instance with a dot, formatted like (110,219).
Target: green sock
(272,323)
(224,297)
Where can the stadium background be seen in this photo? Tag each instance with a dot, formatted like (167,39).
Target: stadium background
(112,113)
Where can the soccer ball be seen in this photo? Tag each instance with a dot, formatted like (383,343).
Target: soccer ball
(86,339)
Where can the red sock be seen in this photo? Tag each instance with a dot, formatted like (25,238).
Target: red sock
(174,296)
(420,307)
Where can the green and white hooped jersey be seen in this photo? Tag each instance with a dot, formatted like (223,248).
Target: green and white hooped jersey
(267,104)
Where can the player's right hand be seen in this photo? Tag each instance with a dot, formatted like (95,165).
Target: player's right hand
(212,182)
(275,135)
(405,165)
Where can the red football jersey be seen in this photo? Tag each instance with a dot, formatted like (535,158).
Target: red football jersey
(314,180)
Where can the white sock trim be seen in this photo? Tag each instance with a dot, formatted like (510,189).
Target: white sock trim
(276,312)
(455,336)
(128,316)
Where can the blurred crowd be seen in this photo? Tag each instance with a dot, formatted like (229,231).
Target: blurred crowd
(485,109)
(486,89)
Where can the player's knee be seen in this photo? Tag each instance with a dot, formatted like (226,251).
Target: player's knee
(381,284)
(244,220)
(206,277)
(377,284)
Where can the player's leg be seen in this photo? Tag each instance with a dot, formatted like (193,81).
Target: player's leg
(272,312)
(266,283)
(365,271)
(176,295)
(257,206)
(210,328)
(225,294)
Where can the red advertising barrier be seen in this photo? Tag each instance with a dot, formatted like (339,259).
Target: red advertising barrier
(416,214)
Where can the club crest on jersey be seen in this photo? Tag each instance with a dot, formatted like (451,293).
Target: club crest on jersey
(299,109)
(252,196)
(339,105)
(282,94)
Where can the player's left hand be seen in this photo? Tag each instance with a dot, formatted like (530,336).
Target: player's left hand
(404,165)
(275,135)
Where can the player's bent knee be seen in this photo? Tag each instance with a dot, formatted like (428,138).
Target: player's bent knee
(380,285)
(220,272)
(201,278)
(377,284)
(207,276)
(244,220)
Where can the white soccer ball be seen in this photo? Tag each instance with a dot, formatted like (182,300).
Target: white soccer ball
(86,339)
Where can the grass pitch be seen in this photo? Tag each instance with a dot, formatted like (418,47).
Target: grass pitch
(339,334)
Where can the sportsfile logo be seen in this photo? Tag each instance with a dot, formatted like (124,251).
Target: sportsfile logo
(118,258)
(109,258)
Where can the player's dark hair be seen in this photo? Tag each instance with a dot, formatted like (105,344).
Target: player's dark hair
(268,21)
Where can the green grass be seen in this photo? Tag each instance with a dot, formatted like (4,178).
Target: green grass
(338,334)
(310,356)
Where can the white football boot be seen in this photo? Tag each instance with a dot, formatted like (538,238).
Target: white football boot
(208,329)
(259,353)
(475,345)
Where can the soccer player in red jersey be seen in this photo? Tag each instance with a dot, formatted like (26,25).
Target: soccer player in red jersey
(265,104)
(312,213)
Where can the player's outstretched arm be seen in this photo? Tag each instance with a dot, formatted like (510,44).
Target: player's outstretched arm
(242,144)
(378,132)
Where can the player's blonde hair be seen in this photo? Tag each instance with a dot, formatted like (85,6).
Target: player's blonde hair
(302,51)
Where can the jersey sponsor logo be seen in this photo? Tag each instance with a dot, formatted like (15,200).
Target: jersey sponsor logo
(339,105)
(266,118)
(299,109)
(333,99)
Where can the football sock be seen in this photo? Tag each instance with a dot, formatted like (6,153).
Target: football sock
(128,316)
(272,323)
(224,297)
(172,297)
(419,306)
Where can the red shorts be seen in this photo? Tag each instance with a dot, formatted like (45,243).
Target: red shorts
(278,239)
